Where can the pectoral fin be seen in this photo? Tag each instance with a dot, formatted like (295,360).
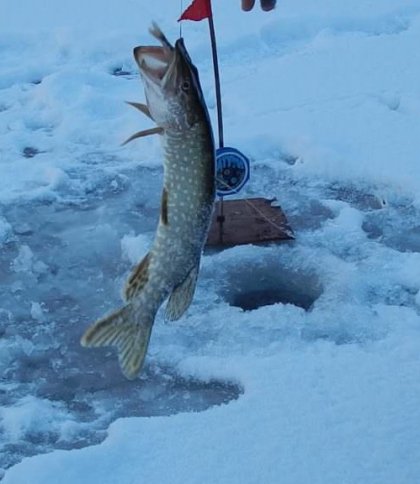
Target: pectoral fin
(181,296)
(141,107)
(142,134)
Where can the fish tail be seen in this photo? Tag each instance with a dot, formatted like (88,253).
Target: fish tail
(128,332)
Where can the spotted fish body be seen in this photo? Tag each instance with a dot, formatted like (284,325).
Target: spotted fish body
(170,269)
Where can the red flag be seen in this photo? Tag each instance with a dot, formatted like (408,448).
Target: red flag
(198,10)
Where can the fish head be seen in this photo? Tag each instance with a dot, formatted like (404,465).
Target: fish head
(172,87)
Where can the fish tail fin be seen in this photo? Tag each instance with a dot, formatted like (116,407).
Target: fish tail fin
(125,330)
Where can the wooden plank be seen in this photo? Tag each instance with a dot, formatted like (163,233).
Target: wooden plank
(248,221)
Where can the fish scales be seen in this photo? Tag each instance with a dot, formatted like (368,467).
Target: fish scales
(170,269)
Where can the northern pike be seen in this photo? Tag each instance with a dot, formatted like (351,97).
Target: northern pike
(175,102)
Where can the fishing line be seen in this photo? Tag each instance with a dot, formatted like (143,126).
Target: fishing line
(180,23)
(250,204)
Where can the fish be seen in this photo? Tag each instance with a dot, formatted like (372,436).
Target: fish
(169,271)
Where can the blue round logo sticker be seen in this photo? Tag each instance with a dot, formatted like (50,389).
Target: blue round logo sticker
(232,171)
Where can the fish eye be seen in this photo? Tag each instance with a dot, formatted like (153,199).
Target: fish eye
(185,86)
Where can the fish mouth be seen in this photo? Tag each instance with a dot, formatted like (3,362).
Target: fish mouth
(153,62)
(156,63)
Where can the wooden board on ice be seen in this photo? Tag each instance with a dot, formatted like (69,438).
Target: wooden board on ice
(248,221)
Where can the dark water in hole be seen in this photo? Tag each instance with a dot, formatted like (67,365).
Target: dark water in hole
(251,300)
(267,282)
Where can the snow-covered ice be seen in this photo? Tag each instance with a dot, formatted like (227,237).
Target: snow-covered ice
(297,363)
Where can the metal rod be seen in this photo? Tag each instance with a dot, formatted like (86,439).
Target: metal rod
(221,216)
(221,220)
(216,81)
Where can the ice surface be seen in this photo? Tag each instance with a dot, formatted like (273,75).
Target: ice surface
(5,231)
(49,295)
(312,347)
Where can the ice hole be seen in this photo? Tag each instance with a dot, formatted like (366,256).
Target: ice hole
(255,285)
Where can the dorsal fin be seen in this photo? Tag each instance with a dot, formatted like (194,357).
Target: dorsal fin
(164,210)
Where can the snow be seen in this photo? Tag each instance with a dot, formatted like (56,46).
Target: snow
(296,362)
(134,248)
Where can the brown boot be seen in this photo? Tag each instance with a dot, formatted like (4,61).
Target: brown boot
(247,5)
(268,4)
